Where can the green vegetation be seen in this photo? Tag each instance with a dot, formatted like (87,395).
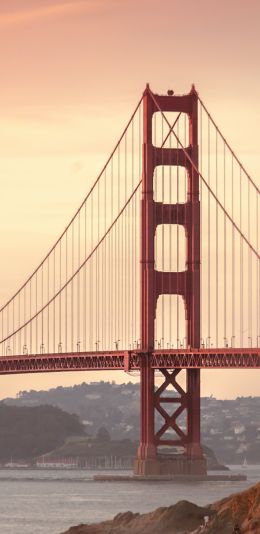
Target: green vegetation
(29,432)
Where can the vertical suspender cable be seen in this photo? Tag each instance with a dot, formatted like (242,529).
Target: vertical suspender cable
(2,333)
(42,317)
(225,254)
(91,289)
(217,277)
(36,308)
(72,288)
(25,328)
(60,258)
(48,309)
(30,306)
(97,271)
(8,341)
(108,276)
(109,270)
(101,297)
(96,282)
(125,255)
(249,268)
(131,243)
(257,275)
(54,301)
(19,321)
(233,255)
(119,301)
(241,265)
(209,237)
(105,282)
(78,286)
(201,223)
(66,293)
(112,259)
(85,282)
(13,323)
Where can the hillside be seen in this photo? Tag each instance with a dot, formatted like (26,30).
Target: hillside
(27,432)
(231,428)
(242,509)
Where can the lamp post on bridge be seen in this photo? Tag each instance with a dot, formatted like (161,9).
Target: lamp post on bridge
(117,343)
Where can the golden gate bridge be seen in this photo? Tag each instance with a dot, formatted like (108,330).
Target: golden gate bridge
(157,272)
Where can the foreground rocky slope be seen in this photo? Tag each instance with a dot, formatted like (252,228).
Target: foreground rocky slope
(186,518)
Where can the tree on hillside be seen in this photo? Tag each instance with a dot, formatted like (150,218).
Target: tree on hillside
(27,432)
(103,434)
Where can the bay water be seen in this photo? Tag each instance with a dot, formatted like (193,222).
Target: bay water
(49,502)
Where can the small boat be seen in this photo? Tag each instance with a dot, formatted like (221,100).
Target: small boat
(245,464)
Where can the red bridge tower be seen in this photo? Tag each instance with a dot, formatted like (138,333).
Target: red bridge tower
(155,283)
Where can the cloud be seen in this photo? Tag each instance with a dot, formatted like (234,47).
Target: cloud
(62,8)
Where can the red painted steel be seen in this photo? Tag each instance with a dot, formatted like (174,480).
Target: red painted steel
(147,448)
(179,404)
(154,283)
(207,359)
(192,230)
(131,361)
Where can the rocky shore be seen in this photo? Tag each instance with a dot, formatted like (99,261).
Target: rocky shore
(186,518)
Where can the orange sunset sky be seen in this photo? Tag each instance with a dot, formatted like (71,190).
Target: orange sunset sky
(71,73)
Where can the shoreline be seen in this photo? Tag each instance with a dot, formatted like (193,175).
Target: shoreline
(184,517)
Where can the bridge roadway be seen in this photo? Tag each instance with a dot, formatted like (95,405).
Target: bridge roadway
(228,358)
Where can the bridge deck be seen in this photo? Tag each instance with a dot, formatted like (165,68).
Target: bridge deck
(228,358)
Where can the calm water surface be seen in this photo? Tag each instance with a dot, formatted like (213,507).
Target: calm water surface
(49,502)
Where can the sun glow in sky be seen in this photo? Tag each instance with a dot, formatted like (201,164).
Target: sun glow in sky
(71,74)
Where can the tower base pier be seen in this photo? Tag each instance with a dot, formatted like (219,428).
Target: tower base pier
(173,465)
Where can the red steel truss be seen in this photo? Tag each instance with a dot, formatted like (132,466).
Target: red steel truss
(131,361)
